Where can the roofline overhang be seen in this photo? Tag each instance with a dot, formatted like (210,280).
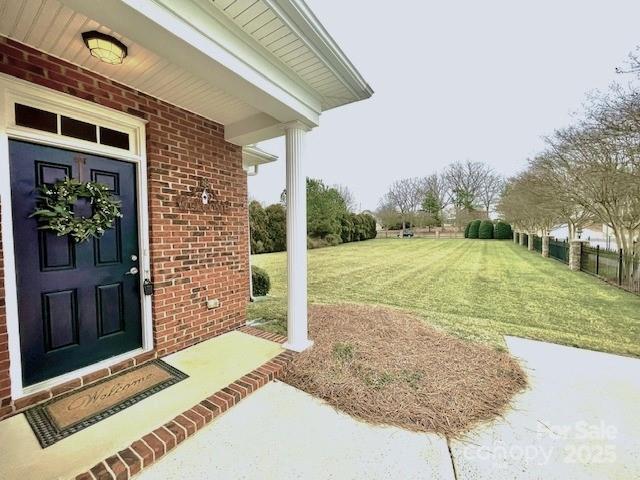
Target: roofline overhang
(200,39)
(301,19)
(252,156)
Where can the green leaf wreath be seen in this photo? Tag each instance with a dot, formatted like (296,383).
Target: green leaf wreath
(55,209)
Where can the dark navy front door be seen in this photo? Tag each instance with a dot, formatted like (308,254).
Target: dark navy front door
(77,303)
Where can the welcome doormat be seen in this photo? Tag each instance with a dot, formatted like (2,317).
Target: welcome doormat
(67,414)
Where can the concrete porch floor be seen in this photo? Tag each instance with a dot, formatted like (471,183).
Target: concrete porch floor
(280,432)
(211,366)
(580,406)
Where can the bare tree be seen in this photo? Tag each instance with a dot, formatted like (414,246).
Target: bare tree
(536,201)
(405,196)
(464,181)
(388,215)
(348,197)
(490,190)
(596,170)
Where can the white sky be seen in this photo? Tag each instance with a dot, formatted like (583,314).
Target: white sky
(455,80)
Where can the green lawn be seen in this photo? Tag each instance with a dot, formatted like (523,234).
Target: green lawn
(475,289)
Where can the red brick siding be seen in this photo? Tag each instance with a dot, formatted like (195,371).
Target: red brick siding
(194,256)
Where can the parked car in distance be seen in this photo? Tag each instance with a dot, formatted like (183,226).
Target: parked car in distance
(406,233)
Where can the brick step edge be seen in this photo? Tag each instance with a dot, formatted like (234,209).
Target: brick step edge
(256,332)
(149,449)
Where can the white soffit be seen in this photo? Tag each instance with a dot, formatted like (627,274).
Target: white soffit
(290,32)
(248,64)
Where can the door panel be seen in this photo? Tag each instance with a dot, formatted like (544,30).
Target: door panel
(77,304)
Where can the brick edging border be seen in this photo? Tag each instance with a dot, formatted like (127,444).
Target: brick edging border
(149,449)
(256,332)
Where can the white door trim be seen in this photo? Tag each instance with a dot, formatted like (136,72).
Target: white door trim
(14,90)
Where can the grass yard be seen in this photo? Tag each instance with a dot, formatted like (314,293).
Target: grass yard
(475,289)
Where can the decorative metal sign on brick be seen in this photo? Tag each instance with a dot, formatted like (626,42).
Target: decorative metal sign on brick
(202,199)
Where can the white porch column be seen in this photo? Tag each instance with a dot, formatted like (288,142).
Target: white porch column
(297,332)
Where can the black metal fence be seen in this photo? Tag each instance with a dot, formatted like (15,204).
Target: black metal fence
(537,243)
(613,266)
(559,250)
(525,239)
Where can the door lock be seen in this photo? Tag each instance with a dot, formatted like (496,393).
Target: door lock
(132,271)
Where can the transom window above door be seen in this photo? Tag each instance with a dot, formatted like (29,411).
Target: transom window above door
(39,119)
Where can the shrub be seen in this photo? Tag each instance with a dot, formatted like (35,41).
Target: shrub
(333,239)
(503,231)
(474,228)
(466,230)
(485,231)
(260,281)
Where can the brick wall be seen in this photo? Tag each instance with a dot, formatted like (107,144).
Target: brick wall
(194,255)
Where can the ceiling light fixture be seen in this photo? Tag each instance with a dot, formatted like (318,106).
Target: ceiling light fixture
(104,47)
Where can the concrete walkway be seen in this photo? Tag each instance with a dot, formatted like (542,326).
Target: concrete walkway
(579,420)
(280,432)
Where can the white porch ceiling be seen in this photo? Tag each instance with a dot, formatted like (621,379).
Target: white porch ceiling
(52,27)
(251,65)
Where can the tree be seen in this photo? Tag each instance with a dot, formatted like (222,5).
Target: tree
(389,216)
(529,204)
(432,207)
(260,239)
(601,175)
(277,226)
(464,181)
(347,196)
(490,191)
(405,196)
(435,186)
(325,207)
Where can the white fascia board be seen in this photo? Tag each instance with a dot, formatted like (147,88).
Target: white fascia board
(182,33)
(301,20)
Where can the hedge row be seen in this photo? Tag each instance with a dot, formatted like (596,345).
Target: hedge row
(486,230)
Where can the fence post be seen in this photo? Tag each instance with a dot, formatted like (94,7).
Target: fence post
(530,242)
(515,236)
(545,246)
(620,267)
(521,239)
(575,254)
(597,259)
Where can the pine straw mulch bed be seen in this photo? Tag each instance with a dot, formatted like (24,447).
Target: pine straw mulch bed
(388,367)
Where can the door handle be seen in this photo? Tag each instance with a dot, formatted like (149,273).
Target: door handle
(132,271)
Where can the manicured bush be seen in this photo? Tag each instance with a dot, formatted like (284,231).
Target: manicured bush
(260,281)
(466,230)
(503,231)
(474,229)
(485,231)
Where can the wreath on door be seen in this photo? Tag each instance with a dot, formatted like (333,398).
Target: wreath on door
(55,209)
